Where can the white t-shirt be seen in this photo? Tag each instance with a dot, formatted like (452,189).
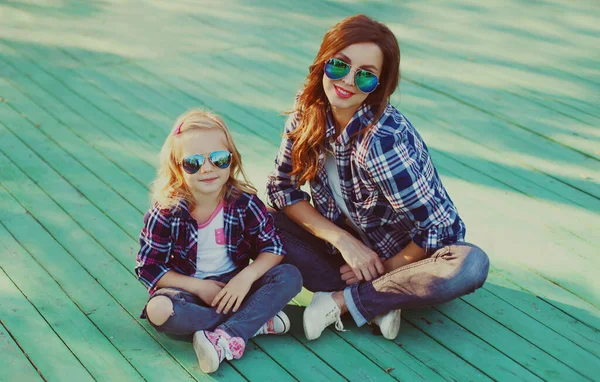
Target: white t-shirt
(336,188)
(212,258)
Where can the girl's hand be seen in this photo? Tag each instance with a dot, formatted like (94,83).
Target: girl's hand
(208,289)
(233,294)
(363,261)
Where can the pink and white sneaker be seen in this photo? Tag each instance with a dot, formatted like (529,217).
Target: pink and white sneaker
(213,347)
(279,324)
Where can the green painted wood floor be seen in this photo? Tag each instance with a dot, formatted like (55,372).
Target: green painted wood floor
(505,93)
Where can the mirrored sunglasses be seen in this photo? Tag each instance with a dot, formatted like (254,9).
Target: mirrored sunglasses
(193,163)
(337,69)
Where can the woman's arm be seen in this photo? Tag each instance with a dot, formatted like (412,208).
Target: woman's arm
(406,179)
(408,255)
(363,261)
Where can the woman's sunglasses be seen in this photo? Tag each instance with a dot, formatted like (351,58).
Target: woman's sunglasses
(193,163)
(337,69)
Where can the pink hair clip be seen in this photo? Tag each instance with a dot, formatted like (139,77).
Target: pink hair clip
(178,129)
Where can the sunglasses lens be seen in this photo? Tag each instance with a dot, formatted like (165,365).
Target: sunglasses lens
(221,159)
(365,81)
(336,69)
(192,164)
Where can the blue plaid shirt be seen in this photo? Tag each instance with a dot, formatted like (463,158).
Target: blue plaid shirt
(391,188)
(169,239)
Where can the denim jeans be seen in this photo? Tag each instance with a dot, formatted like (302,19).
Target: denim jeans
(267,296)
(449,273)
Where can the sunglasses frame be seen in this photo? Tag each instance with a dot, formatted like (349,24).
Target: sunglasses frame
(201,159)
(350,71)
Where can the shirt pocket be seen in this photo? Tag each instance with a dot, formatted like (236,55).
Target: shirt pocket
(220,236)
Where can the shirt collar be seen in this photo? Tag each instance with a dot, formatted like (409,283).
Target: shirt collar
(182,210)
(361,119)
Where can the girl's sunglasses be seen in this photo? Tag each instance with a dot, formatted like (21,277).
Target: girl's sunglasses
(193,163)
(337,69)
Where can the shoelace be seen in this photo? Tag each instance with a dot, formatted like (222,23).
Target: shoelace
(334,316)
(226,351)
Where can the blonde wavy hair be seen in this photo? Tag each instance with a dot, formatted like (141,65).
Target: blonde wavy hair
(170,188)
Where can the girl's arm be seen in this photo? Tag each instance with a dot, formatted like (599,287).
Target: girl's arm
(152,261)
(232,295)
(265,240)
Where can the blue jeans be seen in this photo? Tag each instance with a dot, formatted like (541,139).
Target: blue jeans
(267,296)
(447,274)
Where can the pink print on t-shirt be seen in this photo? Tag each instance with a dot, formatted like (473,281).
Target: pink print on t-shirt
(220,236)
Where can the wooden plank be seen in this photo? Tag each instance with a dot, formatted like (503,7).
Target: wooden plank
(532,239)
(470,348)
(554,295)
(394,359)
(92,348)
(30,330)
(122,151)
(93,117)
(76,198)
(438,357)
(560,348)
(347,360)
(77,271)
(526,347)
(540,310)
(15,364)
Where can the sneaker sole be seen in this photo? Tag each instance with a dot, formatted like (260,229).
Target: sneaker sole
(206,353)
(285,321)
(393,327)
(305,319)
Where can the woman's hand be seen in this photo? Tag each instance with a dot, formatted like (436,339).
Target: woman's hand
(232,295)
(208,290)
(348,274)
(364,262)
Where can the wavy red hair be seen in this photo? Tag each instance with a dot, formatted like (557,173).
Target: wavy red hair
(311,106)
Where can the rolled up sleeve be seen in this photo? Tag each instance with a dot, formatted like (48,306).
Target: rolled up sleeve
(282,188)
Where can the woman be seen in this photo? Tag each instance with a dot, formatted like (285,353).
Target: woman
(383,234)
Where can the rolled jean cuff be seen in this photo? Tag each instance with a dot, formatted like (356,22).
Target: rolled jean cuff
(359,319)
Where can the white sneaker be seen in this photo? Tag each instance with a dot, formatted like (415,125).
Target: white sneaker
(279,324)
(322,312)
(389,323)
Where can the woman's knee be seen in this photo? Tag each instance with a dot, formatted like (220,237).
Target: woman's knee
(159,309)
(476,264)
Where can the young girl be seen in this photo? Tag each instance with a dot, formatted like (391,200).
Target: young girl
(383,234)
(196,243)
